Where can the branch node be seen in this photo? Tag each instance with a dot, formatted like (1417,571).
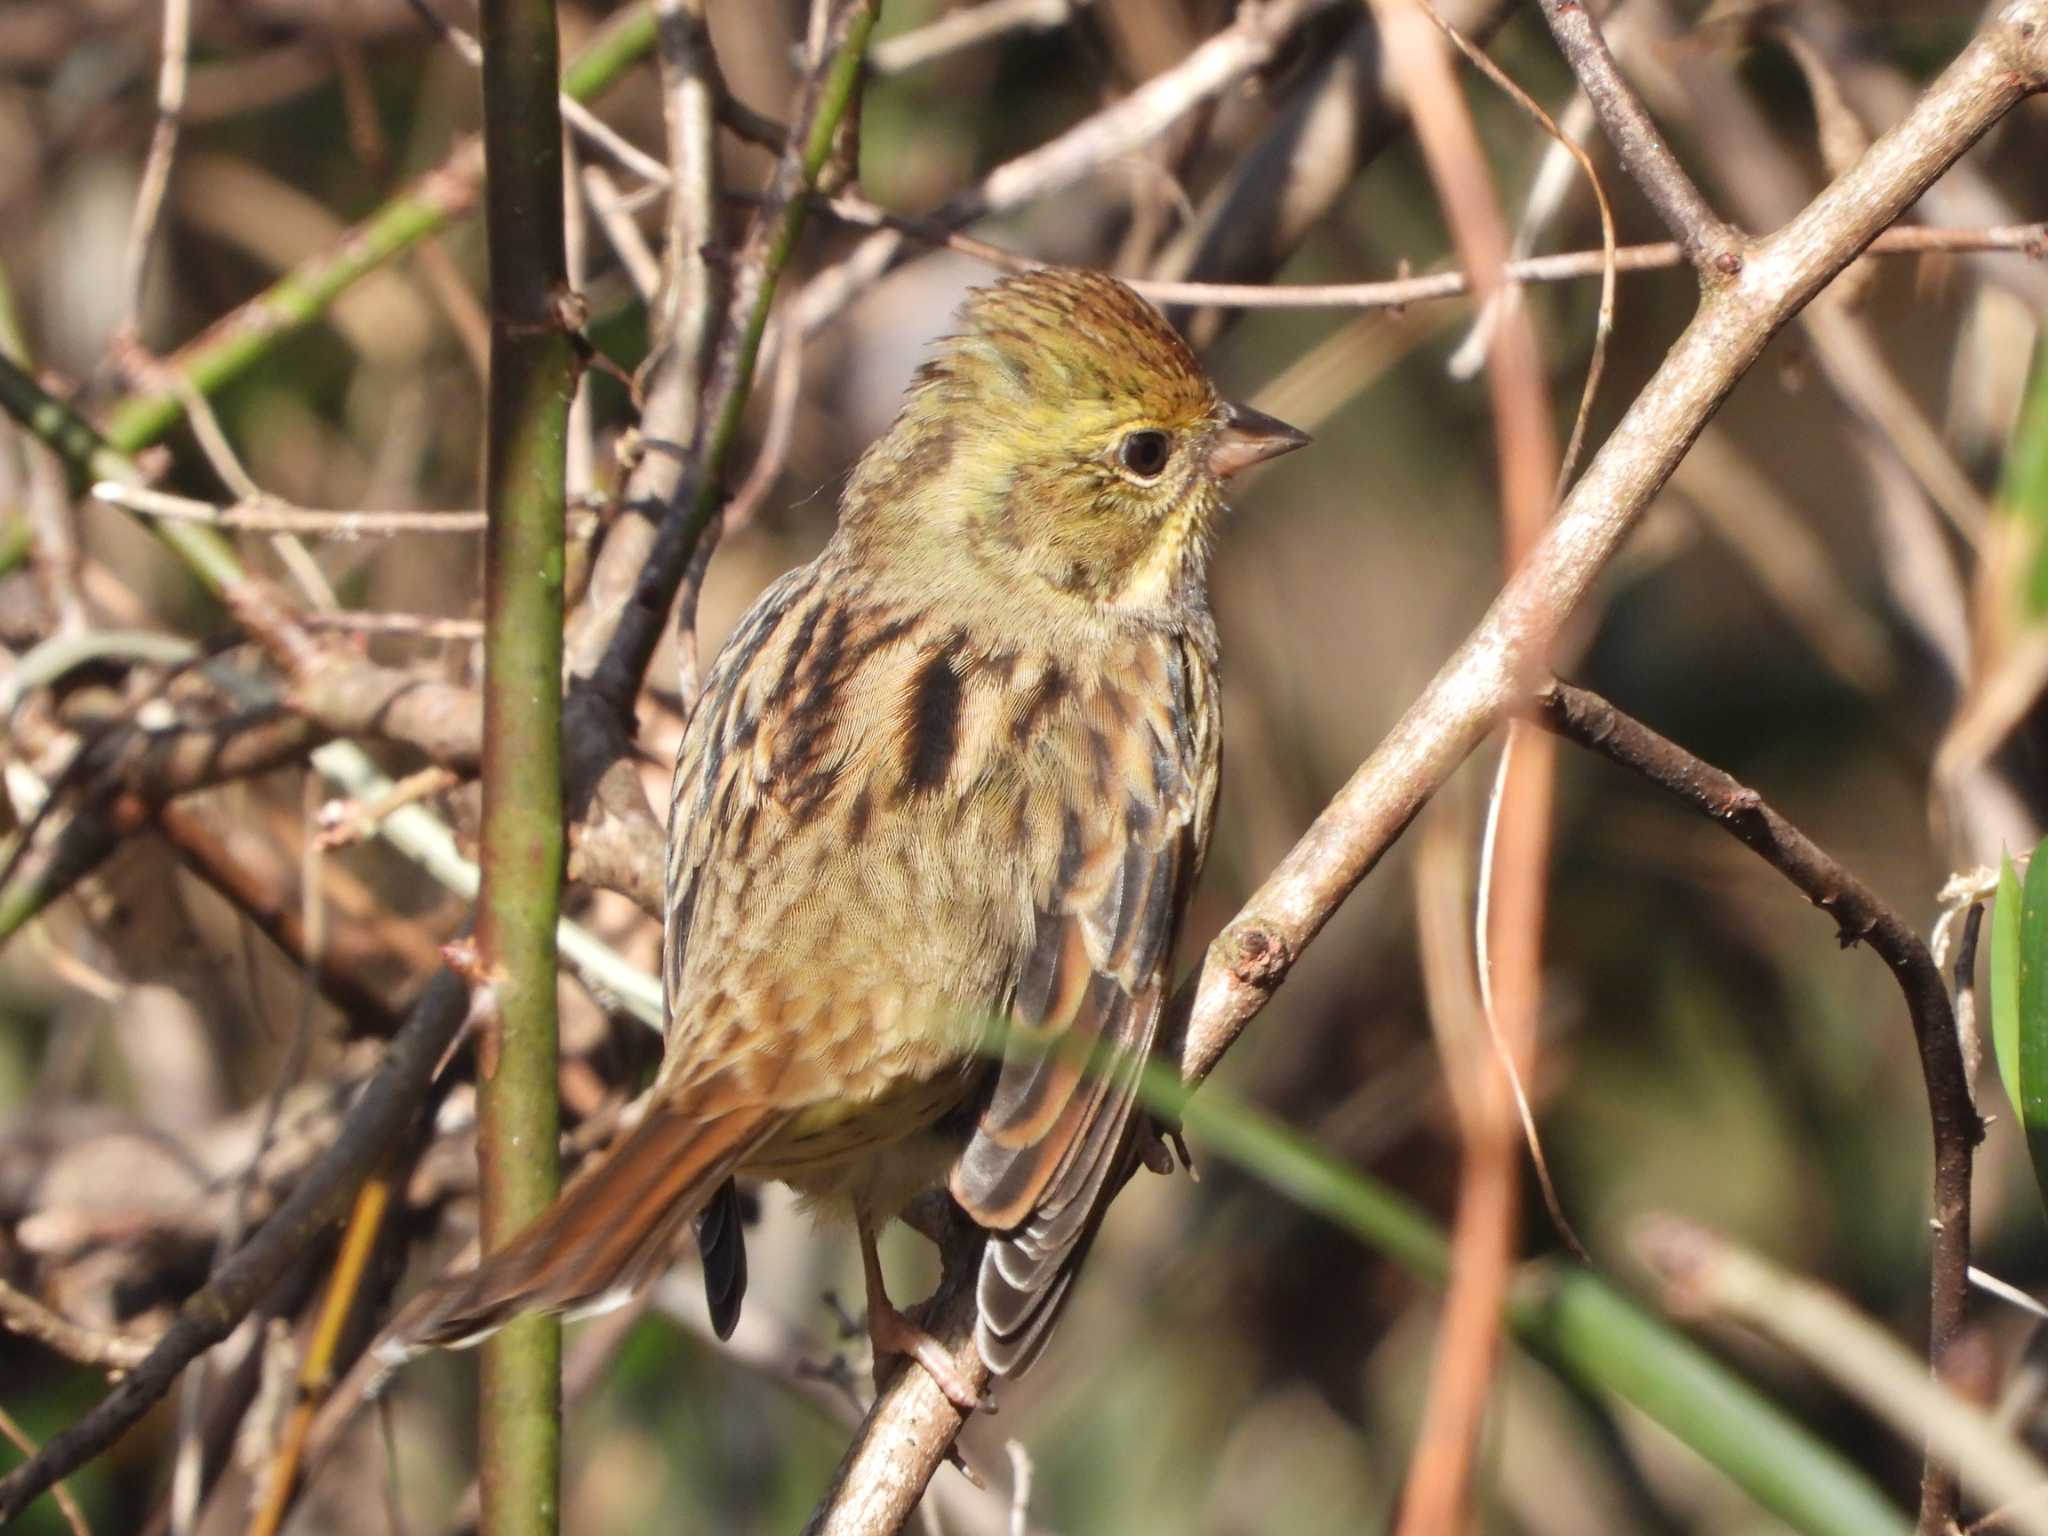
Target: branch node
(1255,955)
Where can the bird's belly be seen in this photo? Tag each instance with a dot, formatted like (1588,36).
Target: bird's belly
(881,1151)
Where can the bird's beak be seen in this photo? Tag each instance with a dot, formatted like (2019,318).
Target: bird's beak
(1250,437)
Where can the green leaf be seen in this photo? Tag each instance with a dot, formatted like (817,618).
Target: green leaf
(2005,982)
(2033,1013)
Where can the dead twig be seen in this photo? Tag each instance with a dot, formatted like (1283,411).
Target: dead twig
(73,1515)
(172,75)
(268,514)
(1486,1229)
(968,26)
(1711,244)
(21,1313)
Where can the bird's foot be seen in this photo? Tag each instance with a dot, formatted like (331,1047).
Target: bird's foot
(896,1336)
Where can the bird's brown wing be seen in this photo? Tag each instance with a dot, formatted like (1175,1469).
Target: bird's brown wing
(1050,1148)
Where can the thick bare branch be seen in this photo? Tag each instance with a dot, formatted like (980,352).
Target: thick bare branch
(1482,680)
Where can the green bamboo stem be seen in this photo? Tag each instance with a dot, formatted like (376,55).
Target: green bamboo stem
(533,377)
(303,295)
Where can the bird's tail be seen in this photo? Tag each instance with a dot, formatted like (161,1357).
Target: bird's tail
(612,1230)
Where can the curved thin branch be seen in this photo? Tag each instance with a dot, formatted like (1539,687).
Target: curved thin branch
(1862,917)
(21,1313)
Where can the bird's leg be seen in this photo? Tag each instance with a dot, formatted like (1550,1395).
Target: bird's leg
(892,1333)
(930,1215)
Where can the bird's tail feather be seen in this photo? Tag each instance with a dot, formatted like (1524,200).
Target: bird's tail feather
(612,1230)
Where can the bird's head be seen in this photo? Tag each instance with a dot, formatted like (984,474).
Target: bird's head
(1063,436)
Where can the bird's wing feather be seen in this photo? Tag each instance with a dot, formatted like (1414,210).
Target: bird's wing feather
(1050,1145)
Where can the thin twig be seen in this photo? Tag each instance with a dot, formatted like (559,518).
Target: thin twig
(172,74)
(628,244)
(212,438)
(414,626)
(968,26)
(777,435)
(1712,245)
(268,514)
(1487,1226)
(73,1515)
(1603,324)
(579,117)
(1861,917)
(1436,1495)
(2030,240)
(350,821)
(21,1313)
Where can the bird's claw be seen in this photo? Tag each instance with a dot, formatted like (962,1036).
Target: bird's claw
(895,1335)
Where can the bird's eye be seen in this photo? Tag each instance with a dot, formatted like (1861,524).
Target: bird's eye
(1145,454)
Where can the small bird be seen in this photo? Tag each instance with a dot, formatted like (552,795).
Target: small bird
(935,823)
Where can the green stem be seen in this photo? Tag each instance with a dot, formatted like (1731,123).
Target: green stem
(533,377)
(234,344)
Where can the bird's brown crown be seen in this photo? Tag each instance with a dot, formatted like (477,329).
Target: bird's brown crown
(1070,336)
